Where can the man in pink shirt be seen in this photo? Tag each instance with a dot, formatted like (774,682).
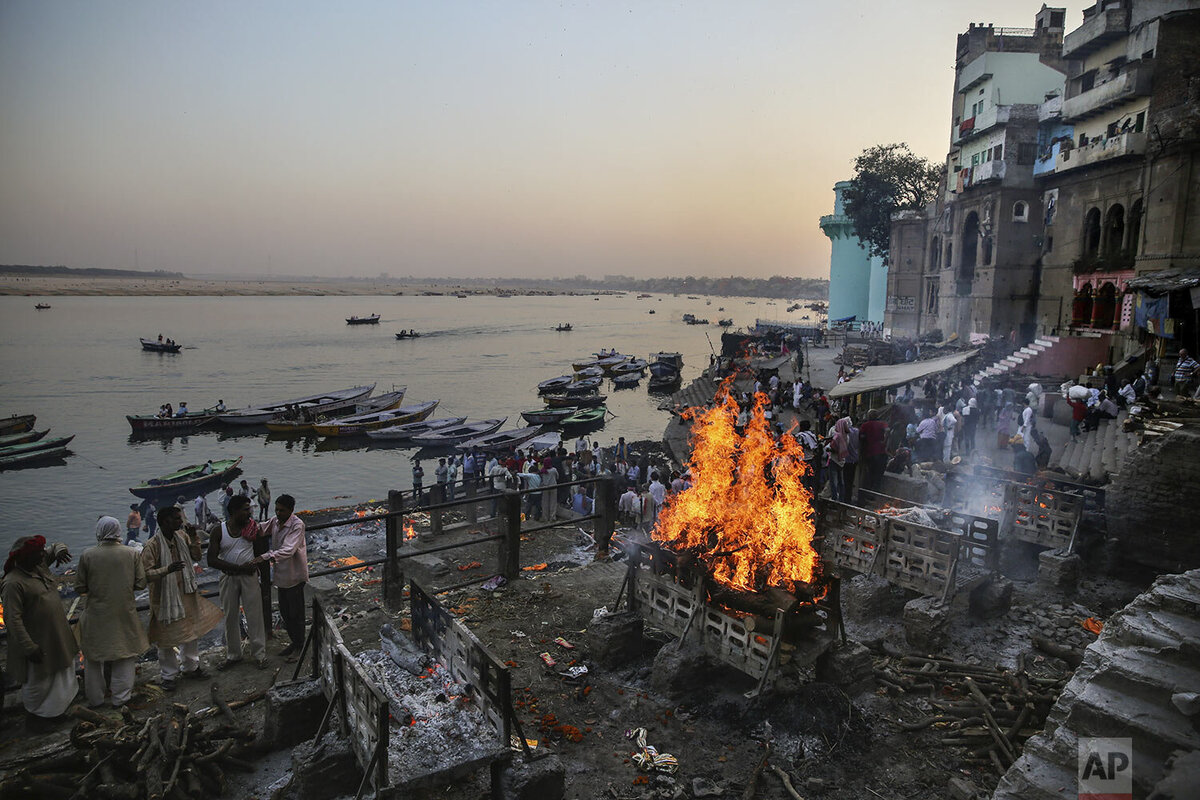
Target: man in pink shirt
(289,561)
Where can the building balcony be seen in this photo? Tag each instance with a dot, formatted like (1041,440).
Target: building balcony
(1050,109)
(987,171)
(1046,163)
(1097,150)
(1095,32)
(982,123)
(973,73)
(1135,80)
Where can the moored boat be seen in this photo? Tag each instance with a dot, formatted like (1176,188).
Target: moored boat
(40,444)
(586,386)
(548,416)
(402,433)
(32,457)
(362,423)
(182,480)
(371,320)
(160,347)
(637,366)
(17,424)
(564,400)
(456,434)
(21,438)
(589,372)
(586,417)
(314,404)
(383,402)
(501,440)
(555,384)
(627,381)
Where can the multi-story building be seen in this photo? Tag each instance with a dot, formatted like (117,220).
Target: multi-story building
(857,280)
(974,269)
(1117,174)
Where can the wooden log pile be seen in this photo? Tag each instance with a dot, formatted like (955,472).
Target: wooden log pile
(176,754)
(988,711)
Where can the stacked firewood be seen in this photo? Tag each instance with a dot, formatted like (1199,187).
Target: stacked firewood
(173,755)
(989,711)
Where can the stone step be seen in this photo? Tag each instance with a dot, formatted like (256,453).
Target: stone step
(1044,342)
(1030,351)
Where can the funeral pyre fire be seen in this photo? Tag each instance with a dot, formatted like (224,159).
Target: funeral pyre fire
(746,517)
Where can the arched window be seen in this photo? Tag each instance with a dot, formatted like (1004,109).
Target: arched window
(1091,232)
(970,248)
(1114,229)
(1081,307)
(1020,211)
(948,261)
(1135,227)
(935,253)
(1104,306)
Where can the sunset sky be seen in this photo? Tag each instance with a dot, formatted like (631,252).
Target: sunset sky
(458,138)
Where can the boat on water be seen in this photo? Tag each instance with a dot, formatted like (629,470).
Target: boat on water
(589,372)
(371,320)
(383,402)
(39,444)
(586,417)
(362,423)
(548,416)
(555,384)
(160,347)
(457,434)
(695,320)
(583,401)
(627,381)
(182,480)
(665,371)
(665,382)
(152,423)
(501,440)
(725,323)
(407,334)
(313,404)
(636,365)
(565,326)
(32,457)
(587,363)
(42,306)
(17,424)
(662,357)
(402,433)
(21,438)
(586,386)
(607,364)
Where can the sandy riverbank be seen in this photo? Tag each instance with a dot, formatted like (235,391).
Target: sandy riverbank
(47,286)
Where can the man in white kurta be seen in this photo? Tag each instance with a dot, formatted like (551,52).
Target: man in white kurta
(231,549)
(110,631)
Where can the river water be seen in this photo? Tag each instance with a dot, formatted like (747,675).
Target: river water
(79,367)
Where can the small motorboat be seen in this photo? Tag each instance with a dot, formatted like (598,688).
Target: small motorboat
(160,347)
(583,401)
(152,423)
(457,434)
(402,433)
(371,320)
(566,326)
(406,334)
(502,440)
(183,480)
(42,306)
(673,359)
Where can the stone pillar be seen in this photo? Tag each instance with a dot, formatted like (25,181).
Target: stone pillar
(1058,570)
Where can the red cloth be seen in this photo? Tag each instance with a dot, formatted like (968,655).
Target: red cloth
(30,545)
(1078,410)
(872,435)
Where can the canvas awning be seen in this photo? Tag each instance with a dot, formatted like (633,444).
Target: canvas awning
(771,363)
(1165,281)
(884,377)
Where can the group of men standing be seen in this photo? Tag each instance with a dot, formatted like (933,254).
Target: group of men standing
(42,648)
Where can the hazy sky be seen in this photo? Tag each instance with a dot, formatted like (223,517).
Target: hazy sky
(451,138)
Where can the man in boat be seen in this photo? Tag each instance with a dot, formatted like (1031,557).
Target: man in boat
(179,615)
(288,556)
(220,406)
(234,548)
(207,469)
(182,412)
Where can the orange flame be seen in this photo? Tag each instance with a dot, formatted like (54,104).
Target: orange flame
(1,615)
(409,531)
(746,515)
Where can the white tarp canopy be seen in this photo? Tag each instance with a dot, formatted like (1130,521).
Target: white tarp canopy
(884,377)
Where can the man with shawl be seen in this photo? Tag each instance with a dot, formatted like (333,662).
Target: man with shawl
(839,452)
(41,647)
(110,631)
(179,616)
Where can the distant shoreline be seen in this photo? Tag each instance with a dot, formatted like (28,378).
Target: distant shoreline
(65,286)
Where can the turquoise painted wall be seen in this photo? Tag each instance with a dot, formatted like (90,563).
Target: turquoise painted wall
(857,282)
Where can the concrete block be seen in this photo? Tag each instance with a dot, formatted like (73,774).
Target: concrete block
(849,666)
(614,639)
(992,599)
(926,621)
(293,713)
(323,770)
(905,487)
(542,779)
(1058,571)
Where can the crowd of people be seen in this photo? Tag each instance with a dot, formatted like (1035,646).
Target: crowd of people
(250,558)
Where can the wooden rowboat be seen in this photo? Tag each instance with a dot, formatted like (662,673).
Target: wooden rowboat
(362,423)
(371,320)
(33,457)
(21,438)
(402,433)
(29,447)
(501,440)
(449,437)
(383,402)
(182,480)
(152,423)
(160,347)
(17,424)
(564,400)
(314,404)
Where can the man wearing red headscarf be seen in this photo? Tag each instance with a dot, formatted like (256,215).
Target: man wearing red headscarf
(41,647)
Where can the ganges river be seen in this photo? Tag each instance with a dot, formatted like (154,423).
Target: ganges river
(80,368)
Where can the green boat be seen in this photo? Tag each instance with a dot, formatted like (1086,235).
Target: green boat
(21,438)
(586,416)
(186,478)
(29,447)
(17,460)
